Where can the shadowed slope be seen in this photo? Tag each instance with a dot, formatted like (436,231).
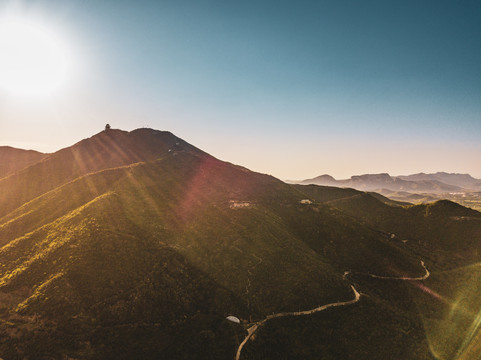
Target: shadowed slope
(444,233)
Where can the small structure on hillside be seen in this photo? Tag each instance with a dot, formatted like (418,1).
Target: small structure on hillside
(233,319)
(107,127)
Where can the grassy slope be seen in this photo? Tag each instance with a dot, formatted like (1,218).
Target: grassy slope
(107,149)
(445,234)
(13,160)
(159,246)
(146,260)
(444,309)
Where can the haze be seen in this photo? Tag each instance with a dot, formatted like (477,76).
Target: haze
(291,89)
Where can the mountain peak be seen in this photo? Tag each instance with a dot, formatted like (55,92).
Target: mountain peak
(110,148)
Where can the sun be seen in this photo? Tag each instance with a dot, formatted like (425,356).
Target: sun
(33,60)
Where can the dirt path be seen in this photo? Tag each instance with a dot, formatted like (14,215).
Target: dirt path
(251,330)
(424,277)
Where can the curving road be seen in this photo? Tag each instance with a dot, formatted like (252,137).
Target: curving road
(251,330)
(424,277)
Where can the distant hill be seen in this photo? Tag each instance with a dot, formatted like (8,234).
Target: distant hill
(138,245)
(12,160)
(464,181)
(417,188)
(373,182)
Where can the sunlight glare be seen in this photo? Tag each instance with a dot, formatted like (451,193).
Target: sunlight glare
(33,60)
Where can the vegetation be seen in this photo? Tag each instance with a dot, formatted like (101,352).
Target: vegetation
(13,160)
(143,245)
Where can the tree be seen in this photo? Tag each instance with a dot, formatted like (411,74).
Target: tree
(107,127)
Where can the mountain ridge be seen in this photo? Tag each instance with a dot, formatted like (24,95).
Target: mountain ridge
(420,182)
(139,245)
(14,159)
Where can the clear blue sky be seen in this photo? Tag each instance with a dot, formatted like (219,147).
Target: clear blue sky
(291,88)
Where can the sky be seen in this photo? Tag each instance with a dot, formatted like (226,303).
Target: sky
(294,89)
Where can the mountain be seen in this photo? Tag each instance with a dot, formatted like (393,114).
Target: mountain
(464,181)
(325,180)
(108,149)
(138,245)
(417,188)
(12,160)
(374,182)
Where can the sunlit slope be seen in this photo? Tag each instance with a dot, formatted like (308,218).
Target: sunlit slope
(144,255)
(13,160)
(108,149)
(168,248)
(224,219)
(57,203)
(91,274)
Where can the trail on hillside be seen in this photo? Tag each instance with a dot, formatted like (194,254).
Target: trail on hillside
(253,328)
(405,278)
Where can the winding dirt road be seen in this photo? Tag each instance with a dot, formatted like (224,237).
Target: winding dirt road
(252,329)
(424,277)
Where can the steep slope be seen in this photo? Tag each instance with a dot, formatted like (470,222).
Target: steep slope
(143,249)
(13,160)
(105,265)
(108,149)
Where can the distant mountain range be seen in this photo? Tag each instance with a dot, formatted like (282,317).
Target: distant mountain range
(138,245)
(439,182)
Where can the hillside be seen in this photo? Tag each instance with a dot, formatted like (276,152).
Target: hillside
(139,245)
(13,160)
(105,150)
(446,233)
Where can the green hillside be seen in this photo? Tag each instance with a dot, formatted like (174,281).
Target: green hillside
(142,246)
(444,233)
